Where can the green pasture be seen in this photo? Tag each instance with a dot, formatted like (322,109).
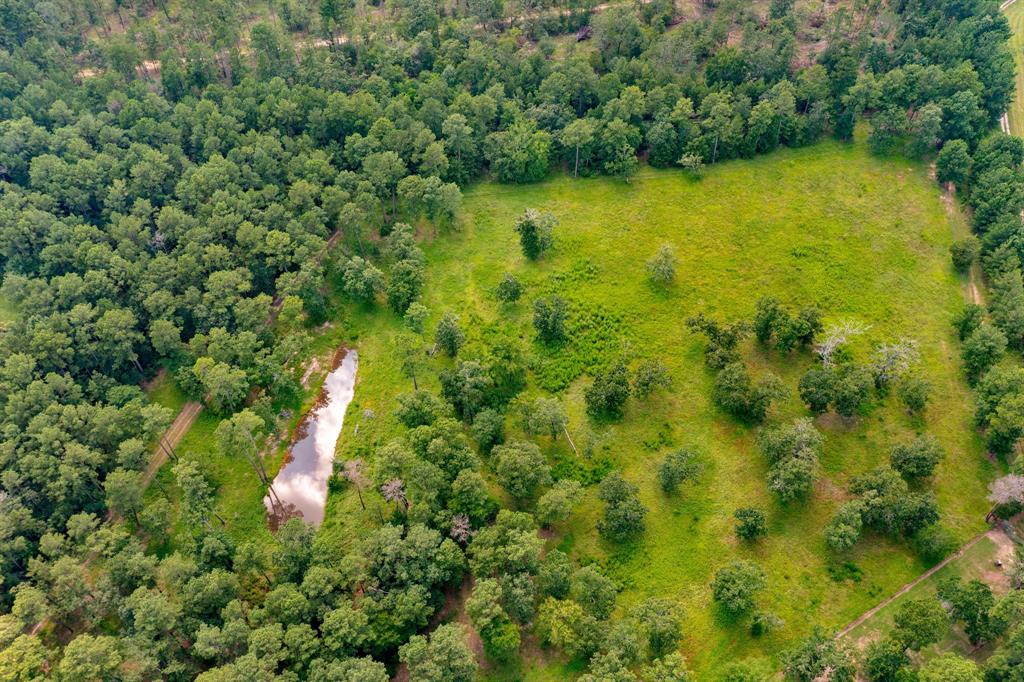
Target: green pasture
(862,238)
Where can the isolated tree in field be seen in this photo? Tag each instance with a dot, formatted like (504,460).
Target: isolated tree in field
(443,658)
(521,468)
(623,514)
(661,267)
(892,361)
(650,376)
(953,163)
(549,315)
(196,493)
(555,505)
(919,623)
(736,584)
(354,471)
(544,417)
(916,459)
(411,355)
(405,282)
(509,289)
(677,467)
(914,393)
(982,349)
(843,531)
(751,523)
(448,336)
(722,339)
(415,317)
(607,395)
(536,232)
(964,252)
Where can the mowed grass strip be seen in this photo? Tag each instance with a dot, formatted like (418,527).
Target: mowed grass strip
(1015,15)
(862,238)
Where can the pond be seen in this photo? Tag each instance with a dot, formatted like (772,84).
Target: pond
(300,487)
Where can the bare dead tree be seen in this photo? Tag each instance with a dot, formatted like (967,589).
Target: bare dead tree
(461,530)
(892,360)
(394,491)
(353,471)
(1006,490)
(835,337)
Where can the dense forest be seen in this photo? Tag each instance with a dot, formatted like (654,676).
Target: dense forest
(183,186)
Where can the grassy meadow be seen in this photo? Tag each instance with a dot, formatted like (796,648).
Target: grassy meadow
(862,238)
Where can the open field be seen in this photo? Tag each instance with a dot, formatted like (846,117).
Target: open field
(1015,15)
(862,238)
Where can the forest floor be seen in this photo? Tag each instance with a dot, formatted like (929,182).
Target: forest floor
(860,237)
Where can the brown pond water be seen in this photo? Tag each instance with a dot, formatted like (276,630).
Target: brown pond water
(301,484)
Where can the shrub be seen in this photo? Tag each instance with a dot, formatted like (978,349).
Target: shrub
(623,514)
(609,392)
(968,320)
(751,523)
(982,349)
(914,393)
(535,232)
(736,393)
(549,316)
(964,252)
(661,267)
(509,289)
(677,467)
(736,584)
(448,336)
(650,375)
(916,459)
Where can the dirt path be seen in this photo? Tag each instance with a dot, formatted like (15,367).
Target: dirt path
(175,432)
(991,534)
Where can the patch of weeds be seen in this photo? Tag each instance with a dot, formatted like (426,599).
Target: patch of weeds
(847,570)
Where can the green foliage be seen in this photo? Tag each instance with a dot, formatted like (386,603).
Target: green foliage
(751,523)
(549,316)
(649,376)
(555,505)
(677,467)
(914,392)
(444,658)
(509,289)
(736,584)
(607,395)
(964,252)
(521,468)
(448,336)
(950,667)
(982,349)
(536,232)
(661,267)
(919,623)
(736,393)
(623,513)
(916,459)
